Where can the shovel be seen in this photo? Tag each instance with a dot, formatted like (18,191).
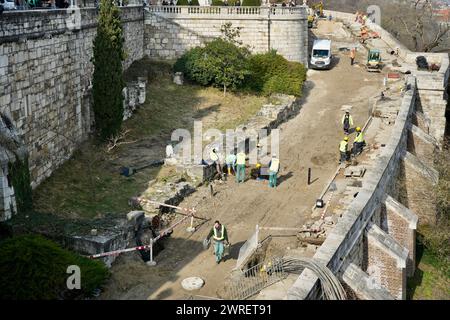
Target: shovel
(129,171)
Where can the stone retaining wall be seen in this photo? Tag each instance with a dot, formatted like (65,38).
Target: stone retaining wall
(46,74)
(170,31)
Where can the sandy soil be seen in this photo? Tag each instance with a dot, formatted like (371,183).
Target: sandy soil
(309,140)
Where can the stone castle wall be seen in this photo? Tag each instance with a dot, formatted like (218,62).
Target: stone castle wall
(45,77)
(170,31)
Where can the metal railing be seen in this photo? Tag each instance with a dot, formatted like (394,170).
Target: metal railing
(216,10)
(245,284)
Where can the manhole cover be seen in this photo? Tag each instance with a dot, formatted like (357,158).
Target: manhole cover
(192,283)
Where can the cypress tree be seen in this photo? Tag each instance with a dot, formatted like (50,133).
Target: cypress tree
(108,80)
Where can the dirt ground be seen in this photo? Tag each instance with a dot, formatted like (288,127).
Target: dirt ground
(310,140)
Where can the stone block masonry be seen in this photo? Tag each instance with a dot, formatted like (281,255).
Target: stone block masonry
(170,31)
(46,77)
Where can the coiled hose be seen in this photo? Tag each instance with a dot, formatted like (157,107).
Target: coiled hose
(331,286)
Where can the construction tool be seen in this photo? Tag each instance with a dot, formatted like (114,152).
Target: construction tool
(129,171)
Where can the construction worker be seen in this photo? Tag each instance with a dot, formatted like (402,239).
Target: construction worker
(352,56)
(256,172)
(219,234)
(347,121)
(231,162)
(214,156)
(240,163)
(274,168)
(358,143)
(343,149)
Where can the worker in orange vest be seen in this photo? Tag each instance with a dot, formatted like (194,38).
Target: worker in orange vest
(352,56)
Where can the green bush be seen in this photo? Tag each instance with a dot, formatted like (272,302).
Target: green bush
(251,3)
(217,3)
(192,67)
(219,63)
(32,267)
(182,3)
(195,3)
(272,73)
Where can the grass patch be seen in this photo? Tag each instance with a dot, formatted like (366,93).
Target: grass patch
(431,280)
(89,186)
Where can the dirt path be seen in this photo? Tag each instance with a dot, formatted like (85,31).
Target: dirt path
(309,140)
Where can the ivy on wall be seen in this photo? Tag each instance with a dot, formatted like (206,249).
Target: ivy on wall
(19,176)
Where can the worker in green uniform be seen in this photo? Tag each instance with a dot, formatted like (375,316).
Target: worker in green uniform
(274,168)
(240,162)
(220,235)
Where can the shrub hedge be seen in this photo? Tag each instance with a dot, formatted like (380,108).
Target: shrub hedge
(251,3)
(272,73)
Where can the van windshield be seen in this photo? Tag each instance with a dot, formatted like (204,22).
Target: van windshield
(320,53)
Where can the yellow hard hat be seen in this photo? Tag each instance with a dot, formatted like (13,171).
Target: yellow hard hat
(346,139)
(258,165)
(358,129)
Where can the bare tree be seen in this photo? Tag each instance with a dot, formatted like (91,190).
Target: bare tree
(412,22)
(420,26)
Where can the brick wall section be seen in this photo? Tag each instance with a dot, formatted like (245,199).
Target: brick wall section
(386,262)
(170,31)
(421,144)
(45,76)
(420,181)
(401,223)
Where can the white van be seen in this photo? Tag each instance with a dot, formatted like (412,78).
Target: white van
(321,54)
